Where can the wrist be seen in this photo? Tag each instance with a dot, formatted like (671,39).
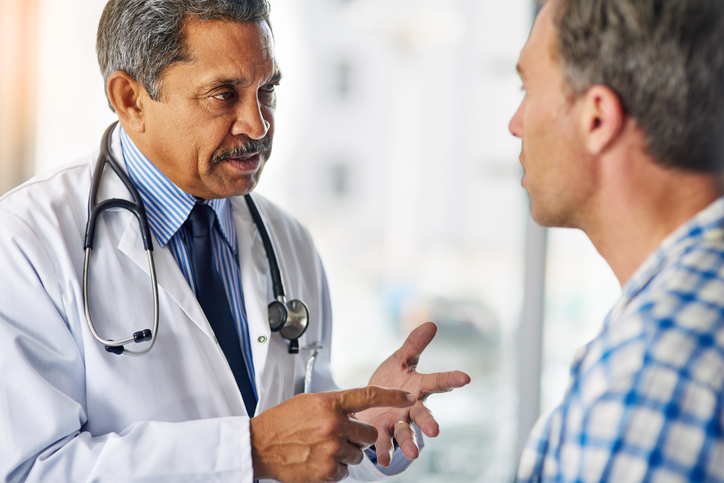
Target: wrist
(260,465)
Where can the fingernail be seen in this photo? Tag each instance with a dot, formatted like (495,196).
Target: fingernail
(411,397)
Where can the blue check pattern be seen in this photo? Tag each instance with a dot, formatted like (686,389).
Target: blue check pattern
(644,403)
(167,208)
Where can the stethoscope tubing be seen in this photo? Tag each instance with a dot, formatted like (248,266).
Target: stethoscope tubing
(277,284)
(136,207)
(122,342)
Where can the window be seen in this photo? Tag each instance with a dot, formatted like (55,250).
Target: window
(18,74)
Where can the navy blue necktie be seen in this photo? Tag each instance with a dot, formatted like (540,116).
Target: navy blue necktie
(211,294)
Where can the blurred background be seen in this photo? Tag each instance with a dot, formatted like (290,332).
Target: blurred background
(392,147)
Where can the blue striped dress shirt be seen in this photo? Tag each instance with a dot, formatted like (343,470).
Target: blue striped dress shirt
(167,208)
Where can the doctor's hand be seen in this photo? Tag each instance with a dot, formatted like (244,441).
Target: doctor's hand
(312,438)
(400,371)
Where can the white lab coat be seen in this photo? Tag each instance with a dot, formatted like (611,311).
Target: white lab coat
(69,410)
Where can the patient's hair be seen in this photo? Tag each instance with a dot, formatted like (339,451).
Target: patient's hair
(144,37)
(665,61)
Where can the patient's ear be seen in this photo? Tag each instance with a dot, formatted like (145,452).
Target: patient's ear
(128,98)
(602,118)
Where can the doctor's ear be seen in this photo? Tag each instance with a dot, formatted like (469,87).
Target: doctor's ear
(603,118)
(128,98)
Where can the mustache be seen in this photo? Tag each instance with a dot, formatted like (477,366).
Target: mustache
(261,146)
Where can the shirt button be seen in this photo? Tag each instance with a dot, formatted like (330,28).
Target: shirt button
(262,339)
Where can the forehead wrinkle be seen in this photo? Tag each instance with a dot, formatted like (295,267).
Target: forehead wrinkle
(256,62)
(243,80)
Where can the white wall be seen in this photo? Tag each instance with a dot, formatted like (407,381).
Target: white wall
(72,111)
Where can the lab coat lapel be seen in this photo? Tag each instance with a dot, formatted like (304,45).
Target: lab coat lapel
(254,279)
(169,276)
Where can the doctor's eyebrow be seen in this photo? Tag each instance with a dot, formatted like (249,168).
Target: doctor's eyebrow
(275,78)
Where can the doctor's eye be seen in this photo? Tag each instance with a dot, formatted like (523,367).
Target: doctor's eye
(267,95)
(266,92)
(224,96)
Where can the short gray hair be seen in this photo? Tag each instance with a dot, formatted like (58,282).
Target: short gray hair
(665,61)
(144,37)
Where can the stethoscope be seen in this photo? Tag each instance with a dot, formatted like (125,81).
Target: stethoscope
(289,318)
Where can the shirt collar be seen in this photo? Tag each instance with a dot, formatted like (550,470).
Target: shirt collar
(707,224)
(167,205)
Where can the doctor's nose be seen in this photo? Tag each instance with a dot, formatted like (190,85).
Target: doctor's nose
(250,121)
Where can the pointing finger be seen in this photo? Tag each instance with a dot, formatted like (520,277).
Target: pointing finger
(354,400)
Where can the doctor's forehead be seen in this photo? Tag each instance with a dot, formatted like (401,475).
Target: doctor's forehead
(240,53)
(243,41)
(195,28)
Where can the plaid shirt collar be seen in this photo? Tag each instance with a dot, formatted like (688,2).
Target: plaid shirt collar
(708,223)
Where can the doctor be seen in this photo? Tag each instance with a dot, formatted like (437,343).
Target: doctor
(192,82)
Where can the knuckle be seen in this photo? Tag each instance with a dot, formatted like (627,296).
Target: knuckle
(325,401)
(370,392)
(333,447)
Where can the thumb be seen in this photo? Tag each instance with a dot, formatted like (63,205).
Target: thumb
(354,400)
(417,341)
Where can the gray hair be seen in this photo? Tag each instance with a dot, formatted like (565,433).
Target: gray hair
(144,37)
(665,61)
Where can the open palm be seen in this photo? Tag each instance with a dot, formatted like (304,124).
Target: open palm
(399,371)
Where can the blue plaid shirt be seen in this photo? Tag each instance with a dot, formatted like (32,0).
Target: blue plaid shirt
(645,398)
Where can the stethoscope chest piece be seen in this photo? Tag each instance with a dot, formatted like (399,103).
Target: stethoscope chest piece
(297,320)
(277,315)
(289,318)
